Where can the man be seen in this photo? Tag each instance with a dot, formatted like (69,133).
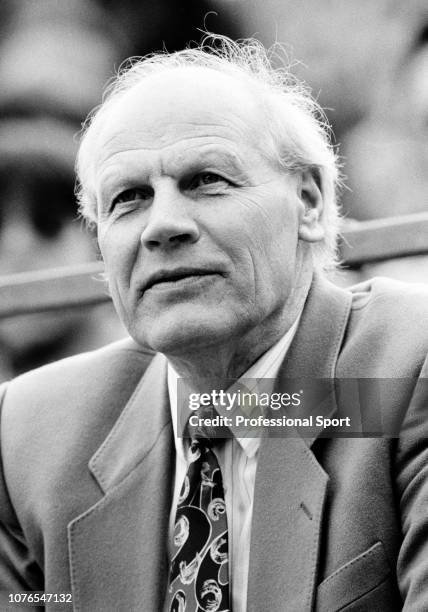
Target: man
(211,181)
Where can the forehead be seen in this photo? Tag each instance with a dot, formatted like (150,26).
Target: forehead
(190,104)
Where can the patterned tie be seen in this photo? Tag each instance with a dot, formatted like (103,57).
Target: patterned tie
(199,576)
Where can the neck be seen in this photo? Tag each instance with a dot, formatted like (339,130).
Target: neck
(231,360)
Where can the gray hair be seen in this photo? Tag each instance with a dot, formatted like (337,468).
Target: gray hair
(297,129)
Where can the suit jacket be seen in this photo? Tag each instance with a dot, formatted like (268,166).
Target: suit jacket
(338,524)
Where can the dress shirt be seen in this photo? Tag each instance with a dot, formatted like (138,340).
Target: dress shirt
(237,458)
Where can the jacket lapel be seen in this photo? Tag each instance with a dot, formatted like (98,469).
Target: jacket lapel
(118,547)
(291,486)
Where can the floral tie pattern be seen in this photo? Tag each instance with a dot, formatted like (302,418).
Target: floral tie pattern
(199,575)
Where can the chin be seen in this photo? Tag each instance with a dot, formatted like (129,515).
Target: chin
(182,335)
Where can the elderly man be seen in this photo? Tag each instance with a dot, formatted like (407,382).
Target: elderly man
(211,181)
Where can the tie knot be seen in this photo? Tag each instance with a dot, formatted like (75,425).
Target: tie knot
(203,430)
(209,429)
(201,444)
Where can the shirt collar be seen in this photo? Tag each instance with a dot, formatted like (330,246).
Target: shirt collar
(267,366)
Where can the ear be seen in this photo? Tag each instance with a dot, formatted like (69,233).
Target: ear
(311,228)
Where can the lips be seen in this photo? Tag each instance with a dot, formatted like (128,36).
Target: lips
(162,277)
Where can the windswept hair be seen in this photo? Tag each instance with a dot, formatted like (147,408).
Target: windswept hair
(297,129)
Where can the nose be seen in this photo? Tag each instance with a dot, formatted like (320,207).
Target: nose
(170,222)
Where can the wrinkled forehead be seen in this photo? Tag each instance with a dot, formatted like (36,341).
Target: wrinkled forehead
(182,99)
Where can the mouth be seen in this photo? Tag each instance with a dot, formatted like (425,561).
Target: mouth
(168,279)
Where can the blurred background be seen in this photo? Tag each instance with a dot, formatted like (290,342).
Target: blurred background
(366,62)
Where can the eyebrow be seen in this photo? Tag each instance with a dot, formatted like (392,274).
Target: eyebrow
(119,176)
(219,157)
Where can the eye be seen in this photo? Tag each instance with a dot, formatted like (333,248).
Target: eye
(133,195)
(206,179)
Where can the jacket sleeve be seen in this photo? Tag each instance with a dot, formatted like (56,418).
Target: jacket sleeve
(18,570)
(412,483)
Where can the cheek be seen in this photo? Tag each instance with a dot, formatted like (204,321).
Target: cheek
(258,270)
(279,233)
(272,232)
(272,246)
(118,246)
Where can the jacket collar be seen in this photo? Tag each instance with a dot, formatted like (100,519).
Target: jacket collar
(135,433)
(317,342)
(313,354)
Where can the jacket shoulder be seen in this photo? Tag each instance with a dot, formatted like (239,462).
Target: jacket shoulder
(71,404)
(387,332)
(394,293)
(90,372)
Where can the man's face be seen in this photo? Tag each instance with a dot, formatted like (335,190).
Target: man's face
(197,227)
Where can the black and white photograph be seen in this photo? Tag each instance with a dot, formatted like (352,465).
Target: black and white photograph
(214,306)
